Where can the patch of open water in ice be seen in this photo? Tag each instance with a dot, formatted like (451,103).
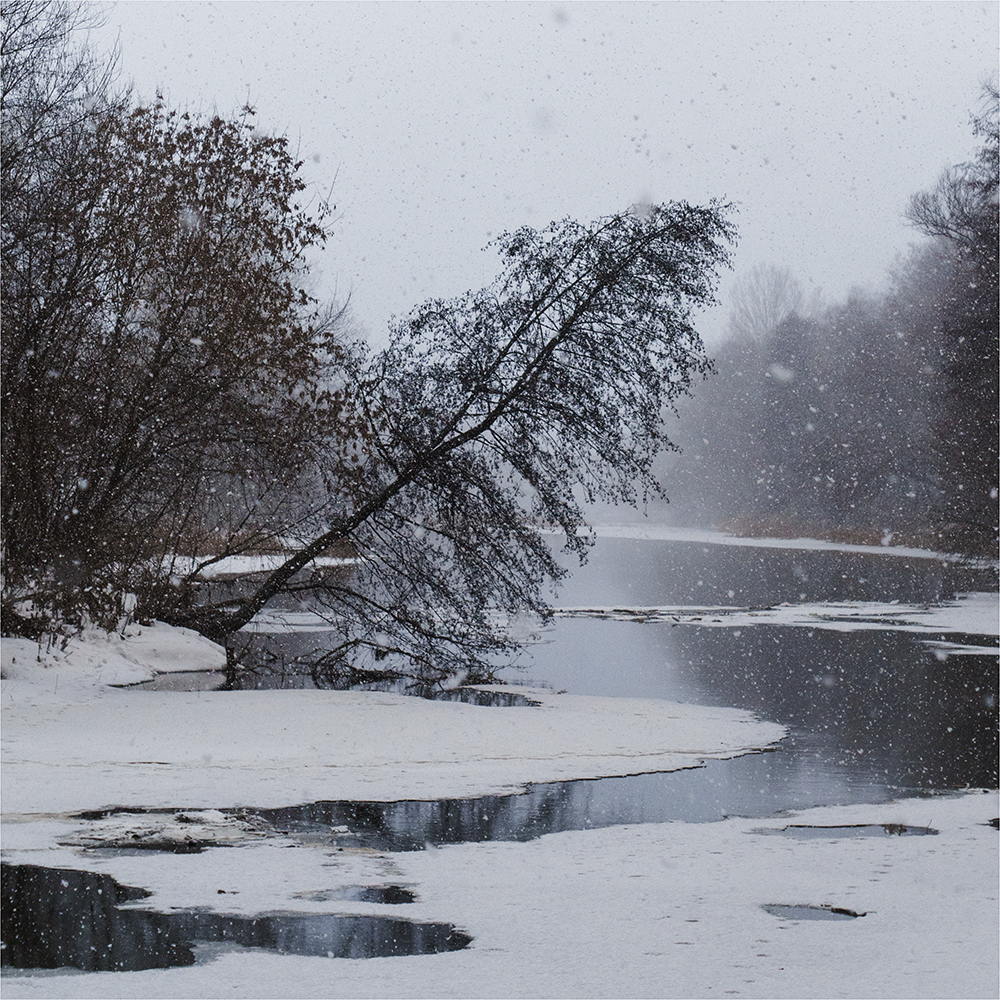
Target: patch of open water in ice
(797,775)
(60,918)
(808,912)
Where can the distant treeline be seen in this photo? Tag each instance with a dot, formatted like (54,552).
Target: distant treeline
(871,418)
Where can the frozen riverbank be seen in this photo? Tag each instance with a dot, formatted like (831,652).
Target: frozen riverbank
(662,910)
(73,743)
(658,910)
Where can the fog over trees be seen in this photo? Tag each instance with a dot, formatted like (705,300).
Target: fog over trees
(869,419)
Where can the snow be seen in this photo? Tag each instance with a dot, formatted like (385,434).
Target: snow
(674,533)
(244,565)
(84,666)
(281,620)
(658,910)
(975,613)
(72,743)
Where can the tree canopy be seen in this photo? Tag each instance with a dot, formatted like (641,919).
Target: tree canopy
(167,380)
(492,417)
(961,212)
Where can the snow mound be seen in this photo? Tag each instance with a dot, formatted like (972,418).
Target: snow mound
(85,666)
(72,743)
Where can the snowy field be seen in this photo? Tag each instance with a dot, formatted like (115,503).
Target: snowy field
(656,910)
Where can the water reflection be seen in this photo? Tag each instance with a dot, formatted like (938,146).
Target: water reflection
(56,918)
(893,710)
(798,775)
(642,573)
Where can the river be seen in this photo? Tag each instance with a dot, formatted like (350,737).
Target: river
(873,710)
(872,713)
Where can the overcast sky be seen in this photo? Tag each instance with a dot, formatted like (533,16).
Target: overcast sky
(441,124)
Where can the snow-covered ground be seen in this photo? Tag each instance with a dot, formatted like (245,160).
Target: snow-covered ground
(659,910)
(73,743)
(675,533)
(230,566)
(976,614)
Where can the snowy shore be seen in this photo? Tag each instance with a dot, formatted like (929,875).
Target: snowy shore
(657,910)
(73,743)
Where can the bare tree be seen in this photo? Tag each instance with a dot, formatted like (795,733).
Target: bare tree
(961,207)
(167,379)
(761,299)
(50,83)
(484,416)
(961,211)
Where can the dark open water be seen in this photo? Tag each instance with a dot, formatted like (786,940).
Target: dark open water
(872,714)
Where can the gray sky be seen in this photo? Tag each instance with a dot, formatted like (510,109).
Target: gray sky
(441,124)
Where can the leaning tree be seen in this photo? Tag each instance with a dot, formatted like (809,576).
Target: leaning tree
(487,425)
(170,388)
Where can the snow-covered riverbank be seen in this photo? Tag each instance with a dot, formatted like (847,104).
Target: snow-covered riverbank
(72,743)
(659,910)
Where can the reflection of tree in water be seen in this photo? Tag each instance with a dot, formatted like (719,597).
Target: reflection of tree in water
(306,660)
(55,918)
(412,825)
(290,660)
